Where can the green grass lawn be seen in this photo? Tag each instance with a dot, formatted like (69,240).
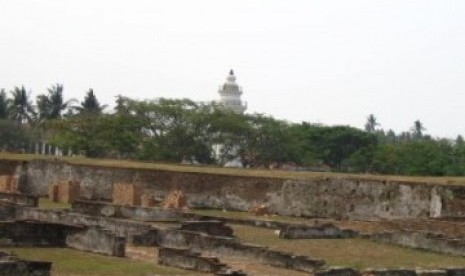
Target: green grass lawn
(356,253)
(68,262)
(114,163)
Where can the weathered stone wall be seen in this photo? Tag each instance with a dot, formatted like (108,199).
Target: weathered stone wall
(126,194)
(63,191)
(25,233)
(11,265)
(323,231)
(118,226)
(20,199)
(225,246)
(210,227)
(423,240)
(185,259)
(97,240)
(49,234)
(7,212)
(8,183)
(336,197)
(337,271)
(95,208)
(9,166)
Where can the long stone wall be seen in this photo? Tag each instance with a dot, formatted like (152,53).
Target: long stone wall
(335,197)
(118,226)
(423,240)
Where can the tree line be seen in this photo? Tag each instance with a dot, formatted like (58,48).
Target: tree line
(181,130)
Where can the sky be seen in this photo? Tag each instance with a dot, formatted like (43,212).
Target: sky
(330,62)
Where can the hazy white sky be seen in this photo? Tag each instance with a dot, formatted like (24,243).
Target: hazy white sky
(331,62)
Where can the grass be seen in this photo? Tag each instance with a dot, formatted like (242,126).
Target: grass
(48,204)
(113,163)
(75,263)
(356,253)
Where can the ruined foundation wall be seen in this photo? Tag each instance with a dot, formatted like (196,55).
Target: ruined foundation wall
(423,240)
(24,233)
(97,240)
(226,246)
(95,208)
(117,226)
(336,197)
(11,265)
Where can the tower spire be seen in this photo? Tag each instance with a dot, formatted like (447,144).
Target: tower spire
(230,95)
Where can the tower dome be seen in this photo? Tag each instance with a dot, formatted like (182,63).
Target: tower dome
(230,95)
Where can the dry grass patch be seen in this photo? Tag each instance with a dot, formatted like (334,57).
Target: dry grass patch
(356,253)
(48,204)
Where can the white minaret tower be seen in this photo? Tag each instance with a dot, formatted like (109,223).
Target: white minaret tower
(230,95)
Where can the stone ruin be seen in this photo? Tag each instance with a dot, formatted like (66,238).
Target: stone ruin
(8,184)
(186,259)
(147,200)
(260,210)
(203,243)
(64,191)
(14,266)
(196,243)
(126,194)
(175,200)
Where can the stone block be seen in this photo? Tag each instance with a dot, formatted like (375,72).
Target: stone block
(322,231)
(389,272)
(97,240)
(436,272)
(126,194)
(11,265)
(68,191)
(459,271)
(215,228)
(147,200)
(8,184)
(185,259)
(175,200)
(53,192)
(338,271)
(64,191)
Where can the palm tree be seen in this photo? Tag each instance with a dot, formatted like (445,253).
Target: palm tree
(51,106)
(21,109)
(3,105)
(371,124)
